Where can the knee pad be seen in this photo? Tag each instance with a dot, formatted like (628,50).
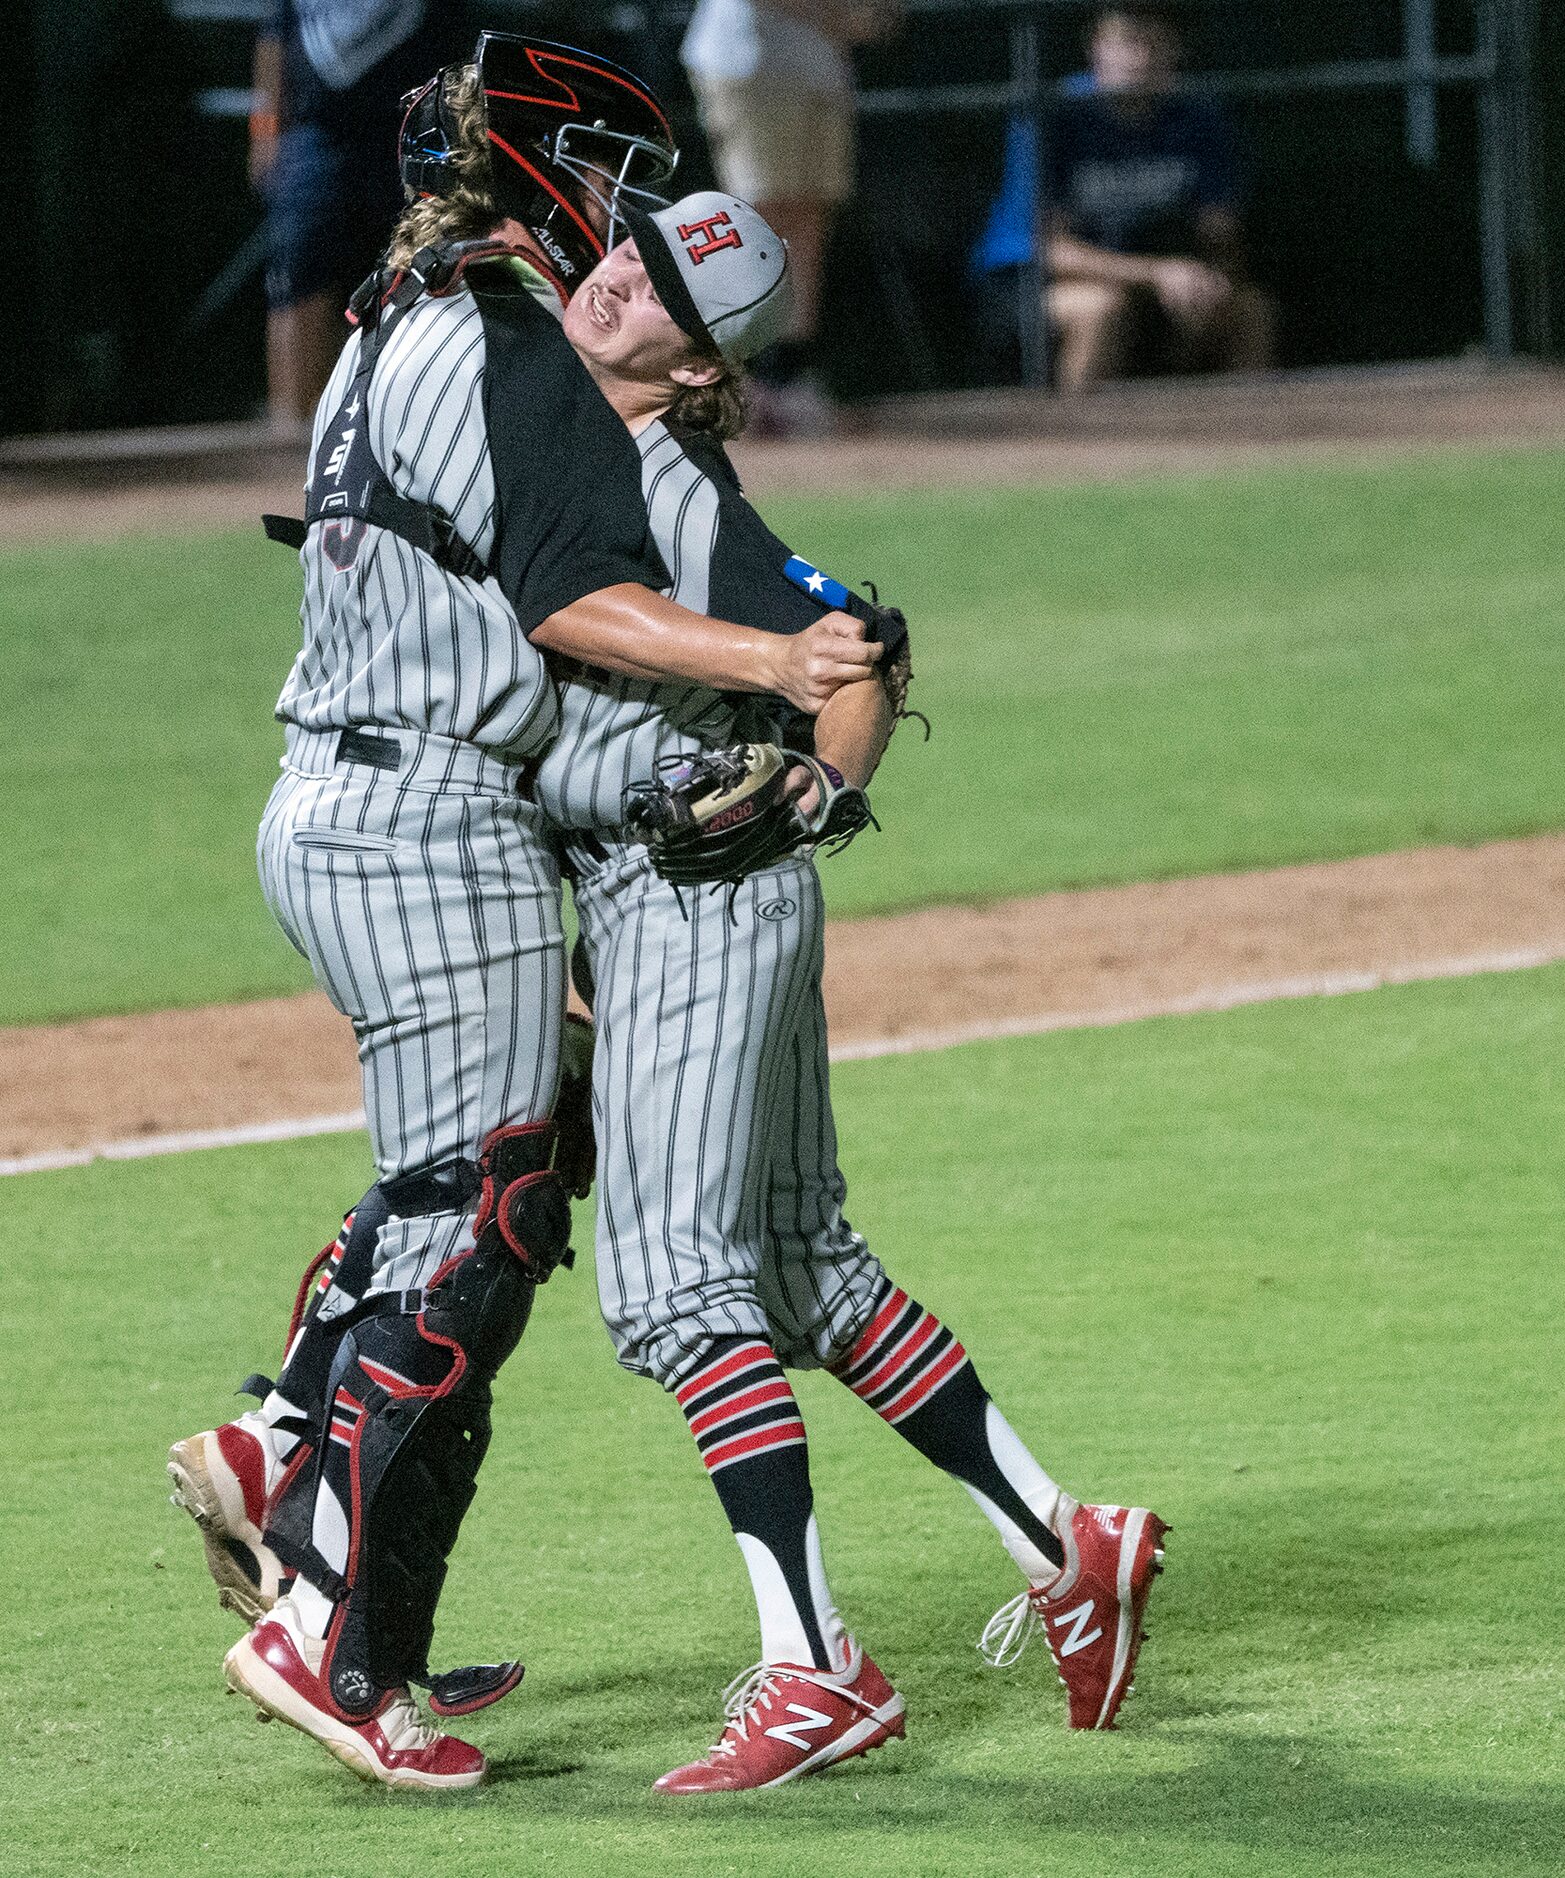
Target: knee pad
(336,1281)
(522,1202)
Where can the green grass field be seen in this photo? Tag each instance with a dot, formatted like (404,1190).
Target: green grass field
(1154,679)
(1291,1274)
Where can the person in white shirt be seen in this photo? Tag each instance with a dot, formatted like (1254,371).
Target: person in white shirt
(774,83)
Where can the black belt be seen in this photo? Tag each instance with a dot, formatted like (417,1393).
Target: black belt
(363,746)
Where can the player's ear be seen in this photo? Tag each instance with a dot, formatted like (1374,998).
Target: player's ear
(698,370)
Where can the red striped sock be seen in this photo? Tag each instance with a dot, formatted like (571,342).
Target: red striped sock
(740,1406)
(904,1356)
(750,1434)
(915,1375)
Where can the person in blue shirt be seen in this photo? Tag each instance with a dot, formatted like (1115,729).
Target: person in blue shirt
(1141,213)
(329,76)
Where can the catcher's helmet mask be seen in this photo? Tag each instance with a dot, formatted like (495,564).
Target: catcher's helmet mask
(561,124)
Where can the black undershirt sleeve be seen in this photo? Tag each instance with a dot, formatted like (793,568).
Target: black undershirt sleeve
(748,586)
(569,514)
(747,583)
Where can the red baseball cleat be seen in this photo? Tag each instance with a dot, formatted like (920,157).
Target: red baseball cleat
(276,1665)
(1092,1613)
(223,1479)
(784,1721)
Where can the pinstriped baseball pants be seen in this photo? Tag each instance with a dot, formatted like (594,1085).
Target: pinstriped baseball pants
(428,905)
(719,1195)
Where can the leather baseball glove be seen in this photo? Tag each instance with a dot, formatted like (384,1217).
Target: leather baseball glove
(725,814)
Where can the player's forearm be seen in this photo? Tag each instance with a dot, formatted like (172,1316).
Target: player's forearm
(853,730)
(634,631)
(1070,258)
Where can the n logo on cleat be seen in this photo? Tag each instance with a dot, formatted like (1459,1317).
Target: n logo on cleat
(810,1721)
(1080,1636)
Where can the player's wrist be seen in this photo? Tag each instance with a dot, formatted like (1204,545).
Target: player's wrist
(770,662)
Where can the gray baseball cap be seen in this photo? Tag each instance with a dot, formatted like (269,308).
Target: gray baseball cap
(720,271)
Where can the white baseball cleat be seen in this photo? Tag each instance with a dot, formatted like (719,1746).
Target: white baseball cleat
(223,1479)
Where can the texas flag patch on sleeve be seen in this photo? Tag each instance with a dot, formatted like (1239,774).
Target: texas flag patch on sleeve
(831,593)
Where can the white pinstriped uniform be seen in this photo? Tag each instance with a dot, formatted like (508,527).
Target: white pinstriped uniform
(719,1195)
(427,897)
(396,640)
(613,729)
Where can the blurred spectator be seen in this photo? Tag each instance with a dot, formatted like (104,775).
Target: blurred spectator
(1144,239)
(1143,193)
(774,83)
(329,77)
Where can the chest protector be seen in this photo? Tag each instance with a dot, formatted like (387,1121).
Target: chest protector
(348,489)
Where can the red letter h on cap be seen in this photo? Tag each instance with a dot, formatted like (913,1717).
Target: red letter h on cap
(708,226)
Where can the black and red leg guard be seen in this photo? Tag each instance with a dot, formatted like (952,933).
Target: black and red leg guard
(521,1190)
(408,1400)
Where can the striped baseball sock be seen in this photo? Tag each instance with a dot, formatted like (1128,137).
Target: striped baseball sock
(748,1429)
(915,1375)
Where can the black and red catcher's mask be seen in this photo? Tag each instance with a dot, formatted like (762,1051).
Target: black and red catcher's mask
(571,136)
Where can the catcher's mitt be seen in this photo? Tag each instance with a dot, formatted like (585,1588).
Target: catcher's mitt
(724,814)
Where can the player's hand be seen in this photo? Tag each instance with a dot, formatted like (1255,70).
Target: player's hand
(803,791)
(813,665)
(1190,290)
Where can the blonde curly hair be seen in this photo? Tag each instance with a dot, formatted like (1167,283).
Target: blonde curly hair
(470,210)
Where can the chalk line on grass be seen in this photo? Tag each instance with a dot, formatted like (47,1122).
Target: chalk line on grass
(1208,999)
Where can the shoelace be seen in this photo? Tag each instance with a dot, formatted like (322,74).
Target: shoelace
(1010,1630)
(405,1729)
(754,1686)
(741,1699)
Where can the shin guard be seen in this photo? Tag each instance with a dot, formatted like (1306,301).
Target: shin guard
(407,1399)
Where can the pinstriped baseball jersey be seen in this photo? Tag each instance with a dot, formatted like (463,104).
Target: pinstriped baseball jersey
(405,863)
(719,1195)
(478,407)
(722,560)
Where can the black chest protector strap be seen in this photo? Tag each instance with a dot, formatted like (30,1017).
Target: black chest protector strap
(347,486)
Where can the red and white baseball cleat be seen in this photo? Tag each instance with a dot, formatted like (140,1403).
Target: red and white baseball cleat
(1092,1613)
(223,1480)
(277,1666)
(784,1721)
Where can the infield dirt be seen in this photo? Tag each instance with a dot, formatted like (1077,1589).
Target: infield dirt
(1059,960)
(57,489)
(1091,957)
